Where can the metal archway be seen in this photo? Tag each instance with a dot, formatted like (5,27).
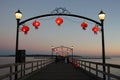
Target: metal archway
(64,12)
(57,12)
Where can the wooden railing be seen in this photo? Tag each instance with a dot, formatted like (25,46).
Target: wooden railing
(96,69)
(23,68)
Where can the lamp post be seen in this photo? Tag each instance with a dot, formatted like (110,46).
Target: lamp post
(72,53)
(18,16)
(52,51)
(102,17)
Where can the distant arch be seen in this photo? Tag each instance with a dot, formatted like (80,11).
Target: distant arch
(62,51)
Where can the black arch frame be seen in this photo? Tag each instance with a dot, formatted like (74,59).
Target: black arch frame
(63,14)
(71,15)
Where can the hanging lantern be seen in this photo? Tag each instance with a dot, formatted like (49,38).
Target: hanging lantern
(59,21)
(56,50)
(25,29)
(62,49)
(84,25)
(95,29)
(36,24)
(67,50)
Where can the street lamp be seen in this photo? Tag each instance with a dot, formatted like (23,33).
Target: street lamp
(18,16)
(52,51)
(101,18)
(101,15)
(72,52)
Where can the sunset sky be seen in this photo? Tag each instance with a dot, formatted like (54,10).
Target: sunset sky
(69,34)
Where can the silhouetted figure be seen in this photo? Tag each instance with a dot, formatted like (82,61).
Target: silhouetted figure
(56,59)
(67,59)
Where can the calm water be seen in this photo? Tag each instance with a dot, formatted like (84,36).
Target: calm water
(7,60)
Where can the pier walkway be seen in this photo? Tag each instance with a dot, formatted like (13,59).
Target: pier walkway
(58,71)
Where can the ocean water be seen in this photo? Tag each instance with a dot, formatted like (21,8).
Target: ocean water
(8,60)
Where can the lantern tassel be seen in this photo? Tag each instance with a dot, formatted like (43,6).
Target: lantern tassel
(95,33)
(25,33)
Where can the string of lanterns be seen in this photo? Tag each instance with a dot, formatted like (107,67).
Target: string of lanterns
(59,21)
(95,29)
(25,28)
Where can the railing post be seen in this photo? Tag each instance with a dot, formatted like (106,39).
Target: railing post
(24,69)
(45,62)
(37,65)
(85,65)
(81,64)
(89,67)
(108,70)
(97,70)
(21,70)
(78,63)
(32,67)
(16,71)
(41,63)
(10,72)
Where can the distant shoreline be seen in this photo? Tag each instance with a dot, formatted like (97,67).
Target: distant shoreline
(96,58)
(75,56)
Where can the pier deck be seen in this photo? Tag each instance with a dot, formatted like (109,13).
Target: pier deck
(59,71)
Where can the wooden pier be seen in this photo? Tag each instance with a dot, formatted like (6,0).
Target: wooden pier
(59,71)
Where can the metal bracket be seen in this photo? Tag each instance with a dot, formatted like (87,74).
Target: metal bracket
(60,11)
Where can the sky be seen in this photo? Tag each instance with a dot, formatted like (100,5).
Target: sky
(70,33)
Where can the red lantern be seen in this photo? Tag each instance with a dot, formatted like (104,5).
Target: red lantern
(59,21)
(95,29)
(36,24)
(25,29)
(84,25)
(68,50)
(56,50)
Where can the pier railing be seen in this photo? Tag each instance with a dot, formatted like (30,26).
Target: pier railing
(96,69)
(23,68)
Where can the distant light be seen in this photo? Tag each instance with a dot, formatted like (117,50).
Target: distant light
(101,15)
(18,15)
